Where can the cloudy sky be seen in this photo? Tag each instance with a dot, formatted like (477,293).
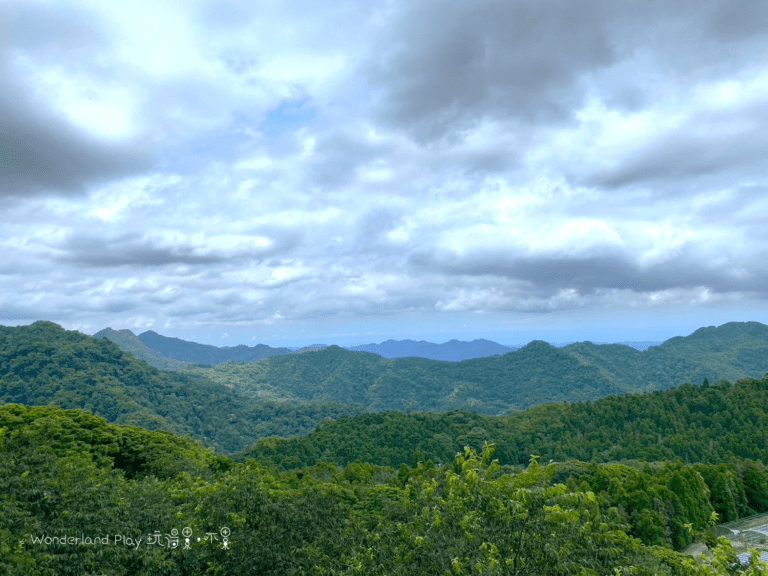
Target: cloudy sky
(346,172)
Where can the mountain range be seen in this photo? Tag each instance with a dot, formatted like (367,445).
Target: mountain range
(166,353)
(658,466)
(704,423)
(44,365)
(534,374)
(231,405)
(537,373)
(455,350)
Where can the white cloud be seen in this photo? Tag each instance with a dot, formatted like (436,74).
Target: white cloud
(292,165)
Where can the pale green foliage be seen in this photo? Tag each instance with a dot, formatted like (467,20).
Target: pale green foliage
(471,519)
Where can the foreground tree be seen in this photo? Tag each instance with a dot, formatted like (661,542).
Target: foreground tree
(470,519)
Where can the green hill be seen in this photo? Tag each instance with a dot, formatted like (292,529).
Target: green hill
(732,351)
(536,374)
(496,385)
(45,365)
(233,405)
(135,451)
(127,341)
(182,350)
(685,453)
(706,423)
(81,496)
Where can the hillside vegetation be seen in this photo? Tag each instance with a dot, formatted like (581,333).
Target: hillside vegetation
(181,350)
(127,341)
(706,423)
(231,406)
(44,365)
(612,487)
(536,374)
(135,451)
(453,350)
(81,496)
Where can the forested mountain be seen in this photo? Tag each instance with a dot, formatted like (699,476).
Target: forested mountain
(705,426)
(44,365)
(452,351)
(536,374)
(81,496)
(687,452)
(455,350)
(705,423)
(127,341)
(500,384)
(177,349)
(152,347)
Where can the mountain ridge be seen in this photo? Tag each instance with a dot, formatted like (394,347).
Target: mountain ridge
(149,344)
(233,404)
(536,373)
(44,365)
(127,341)
(182,350)
(675,423)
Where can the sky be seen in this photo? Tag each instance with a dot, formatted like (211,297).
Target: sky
(340,172)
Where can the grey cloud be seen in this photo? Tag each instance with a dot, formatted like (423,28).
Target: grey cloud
(336,156)
(443,67)
(51,31)
(49,157)
(456,63)
(372,227)
(135,250)
(747,205)
(491,161)
(284,241)
(707,146)
(738,21)
(129,250)
(40,153)
(546,274)
(116,307)
(425,80)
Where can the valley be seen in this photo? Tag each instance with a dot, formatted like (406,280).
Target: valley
(326,452)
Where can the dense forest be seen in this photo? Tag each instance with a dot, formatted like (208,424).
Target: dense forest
(181,350)
(42,365)
(708,423)
(127,341)
(615,486)
(718,429)
(535,374)
(129,501)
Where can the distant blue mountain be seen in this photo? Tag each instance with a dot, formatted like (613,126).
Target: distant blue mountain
(642,346)
(453,351)
(456,351)
(184,351)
